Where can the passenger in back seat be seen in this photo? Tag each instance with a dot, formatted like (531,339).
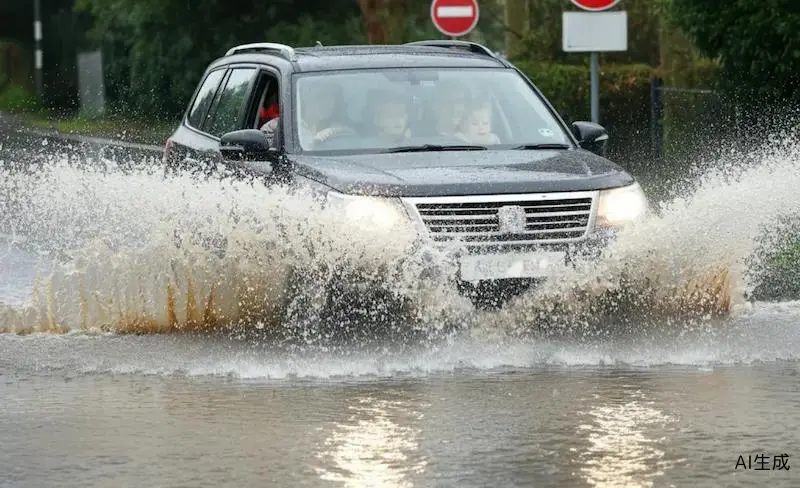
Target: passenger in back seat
(268,113)
(268,116)
(388,111)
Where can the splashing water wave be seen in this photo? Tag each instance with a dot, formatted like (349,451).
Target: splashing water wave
(139,253)
(688,261)
(135,252)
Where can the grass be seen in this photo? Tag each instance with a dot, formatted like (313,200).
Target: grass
(111,127)
(25,107)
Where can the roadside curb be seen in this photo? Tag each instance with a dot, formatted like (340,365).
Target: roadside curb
(95,141)
(12,123)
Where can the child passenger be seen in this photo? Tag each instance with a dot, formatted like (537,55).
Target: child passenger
(390,116)
(476,126)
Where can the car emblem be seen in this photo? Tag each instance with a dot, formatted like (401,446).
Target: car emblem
(512,219)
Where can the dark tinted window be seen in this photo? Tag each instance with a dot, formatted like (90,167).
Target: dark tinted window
(204,98)
(230,108)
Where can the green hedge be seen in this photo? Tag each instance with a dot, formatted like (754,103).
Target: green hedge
(625,103)
(774,266)
(15,66)
(17,98)
(696,115)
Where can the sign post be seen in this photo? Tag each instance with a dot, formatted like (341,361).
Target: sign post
(37,37)
(595,31)
(455,18)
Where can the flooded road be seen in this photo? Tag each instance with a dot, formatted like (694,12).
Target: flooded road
(178,411)
(88,256)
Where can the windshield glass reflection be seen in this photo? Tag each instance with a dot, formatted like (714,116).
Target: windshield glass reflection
(379,109)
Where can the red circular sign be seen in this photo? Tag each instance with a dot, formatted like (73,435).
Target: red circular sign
(595,5)
(454,17)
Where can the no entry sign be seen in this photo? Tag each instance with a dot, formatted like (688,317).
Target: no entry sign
(595,5)
(454,17)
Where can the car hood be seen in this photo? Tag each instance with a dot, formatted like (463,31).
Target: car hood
(463,172)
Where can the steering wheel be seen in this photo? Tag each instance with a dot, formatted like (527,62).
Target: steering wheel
(339,133)
(445,140)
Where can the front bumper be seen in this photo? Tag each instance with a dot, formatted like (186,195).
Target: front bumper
(567,255)
(497,286)
(375,294)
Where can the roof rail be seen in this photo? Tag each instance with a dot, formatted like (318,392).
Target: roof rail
(469,46)
(282,49)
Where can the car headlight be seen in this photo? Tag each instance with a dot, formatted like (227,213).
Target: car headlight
(381,212)
(621,206)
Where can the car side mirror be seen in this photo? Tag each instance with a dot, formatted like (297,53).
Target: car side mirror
(246,145)
(592,137)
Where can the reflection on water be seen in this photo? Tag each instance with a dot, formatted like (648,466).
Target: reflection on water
(621,451)
(124,411)
(376,446)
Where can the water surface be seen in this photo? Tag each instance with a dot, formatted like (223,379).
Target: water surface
(655,399)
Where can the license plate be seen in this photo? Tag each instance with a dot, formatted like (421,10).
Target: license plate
(516,265)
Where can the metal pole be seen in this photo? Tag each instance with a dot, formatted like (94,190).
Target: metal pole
(656,114)
(37,35)
(595,88)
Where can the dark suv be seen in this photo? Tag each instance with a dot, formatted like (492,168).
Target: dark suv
(444,134)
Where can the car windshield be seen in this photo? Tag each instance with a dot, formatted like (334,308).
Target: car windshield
(384,110)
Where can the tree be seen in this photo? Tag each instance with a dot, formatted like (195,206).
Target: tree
(384,20)
(756,42)
(156,50)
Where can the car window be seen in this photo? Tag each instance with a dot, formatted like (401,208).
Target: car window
(229,111)
(204,98)
(378,109)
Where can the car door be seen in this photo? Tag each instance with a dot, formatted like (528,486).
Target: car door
(219,107)
(229,109)
(189,142)
(266,90)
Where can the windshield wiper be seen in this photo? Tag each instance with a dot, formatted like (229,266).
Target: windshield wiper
(548,145)
(435,147)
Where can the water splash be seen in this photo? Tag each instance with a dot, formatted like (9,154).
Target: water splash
(687,261)
(135,252)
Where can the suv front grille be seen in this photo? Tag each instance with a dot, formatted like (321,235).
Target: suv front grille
(548,218)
